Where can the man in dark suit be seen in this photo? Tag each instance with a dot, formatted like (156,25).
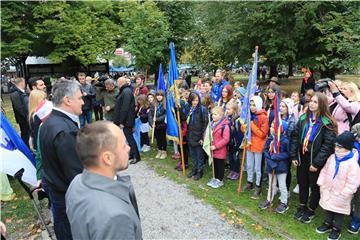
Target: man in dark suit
(57,146)
(99,203)
(20,104)
(124,116)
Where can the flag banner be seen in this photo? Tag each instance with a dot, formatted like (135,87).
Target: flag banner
(137,133)
(172,131)
(207,142)
(277,124)
(245,115)
(15,154)
(160,81)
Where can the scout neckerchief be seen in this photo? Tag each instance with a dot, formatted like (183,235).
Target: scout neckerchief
(310,130)
(192,110)
(339,159)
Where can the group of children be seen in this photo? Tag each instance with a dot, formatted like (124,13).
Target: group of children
(327,164)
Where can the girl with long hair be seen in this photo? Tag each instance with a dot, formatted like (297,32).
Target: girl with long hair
(311,145)
(226,96)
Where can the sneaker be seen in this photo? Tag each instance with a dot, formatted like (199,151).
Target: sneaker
(192,173)
(300,212)
(235,176)
(230,175)
(176,155)
(282,208)
(163,155)
(146,148)
(158,154)
(296,190)
(217,183)
(324,228)
(211,182)
(256,193)
(264,205)
(247,186)
(354,227)
(198,175)
(335,234)
(308,216)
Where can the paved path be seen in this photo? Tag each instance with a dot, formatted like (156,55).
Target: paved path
(169,211)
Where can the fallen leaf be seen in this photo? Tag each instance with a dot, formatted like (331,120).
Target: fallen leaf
(231,222)
(223,215)
(198,225)
(231,211)
(258,227)
(14,207)
(26,197)
(8,220)
(15,199)
(19,221)
(240,221)
(31,227)
(39,230)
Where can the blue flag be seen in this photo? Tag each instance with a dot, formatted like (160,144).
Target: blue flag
(15,154)
(160,80)
(245,115)
(172,131)
(137,133)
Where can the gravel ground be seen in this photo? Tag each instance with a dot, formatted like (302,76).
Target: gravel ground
(169,211)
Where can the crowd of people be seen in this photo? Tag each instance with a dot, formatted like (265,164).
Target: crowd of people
(319,136)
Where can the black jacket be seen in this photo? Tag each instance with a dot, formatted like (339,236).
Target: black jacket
(125,107)
(57,145)
(19,101)
(322,146)
(160,117)
(197,124)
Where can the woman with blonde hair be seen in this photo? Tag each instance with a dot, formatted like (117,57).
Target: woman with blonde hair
(347,97)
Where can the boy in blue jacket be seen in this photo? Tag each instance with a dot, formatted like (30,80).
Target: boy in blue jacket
(277,162)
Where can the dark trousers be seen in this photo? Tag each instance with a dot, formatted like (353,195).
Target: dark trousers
(134,152)
(197,156)
(98,112)
(61,221)
(334,219)
(25,132)
(85,117)
(219,168)
(288,178)
(160,135)
(234,161)
(308,179)
(186,153)
(144,139)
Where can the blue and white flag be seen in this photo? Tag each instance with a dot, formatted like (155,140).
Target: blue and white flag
(15,154)
(245,114)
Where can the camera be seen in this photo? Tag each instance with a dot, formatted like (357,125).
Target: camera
(322,84)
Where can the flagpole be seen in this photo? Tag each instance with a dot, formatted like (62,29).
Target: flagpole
(242,167)
(154,120)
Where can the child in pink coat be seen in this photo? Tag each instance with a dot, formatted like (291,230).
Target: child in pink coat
(221,137)
(338,181)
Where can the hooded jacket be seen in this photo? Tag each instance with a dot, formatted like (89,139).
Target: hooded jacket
(125,107)
(278,161)
(20,101)
(221,138)
(198,122)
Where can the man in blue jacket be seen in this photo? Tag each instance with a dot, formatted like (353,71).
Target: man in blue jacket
(218,86)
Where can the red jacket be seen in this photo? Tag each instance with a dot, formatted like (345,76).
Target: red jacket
(259,131)
(221,139)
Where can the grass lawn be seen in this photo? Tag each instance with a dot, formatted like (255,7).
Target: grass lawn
(238,210)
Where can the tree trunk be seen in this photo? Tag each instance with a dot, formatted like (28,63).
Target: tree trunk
(290,69)
(328,73)
(273,71)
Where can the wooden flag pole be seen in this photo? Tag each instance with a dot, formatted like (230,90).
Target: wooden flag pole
(271,188)
(181,141)
(242,167)
(154,120)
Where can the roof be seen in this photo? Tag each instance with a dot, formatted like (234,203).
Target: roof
(37,60)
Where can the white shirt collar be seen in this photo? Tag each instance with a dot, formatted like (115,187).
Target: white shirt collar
(73,117)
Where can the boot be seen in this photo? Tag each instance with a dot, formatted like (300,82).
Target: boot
(158,154)
(256,193)
(198,175)
(163,155)
(192,173)
(247,186)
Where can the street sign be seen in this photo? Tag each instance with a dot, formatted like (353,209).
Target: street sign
(119,51)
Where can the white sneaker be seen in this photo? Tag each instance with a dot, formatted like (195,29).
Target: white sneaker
(146,148)
(211,182)
(217,183)
(296,189)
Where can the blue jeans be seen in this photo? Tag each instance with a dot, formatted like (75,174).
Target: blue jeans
(197,156)
(61,221)
(85,116)
(234,161)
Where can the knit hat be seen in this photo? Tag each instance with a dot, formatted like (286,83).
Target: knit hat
(346,140)
(241,90)
(289,104)
(258,102)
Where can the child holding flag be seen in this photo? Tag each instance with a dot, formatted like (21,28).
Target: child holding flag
(338,181)
(277,156)
(259,131)
(220,140)
(236,137)
(157,121)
